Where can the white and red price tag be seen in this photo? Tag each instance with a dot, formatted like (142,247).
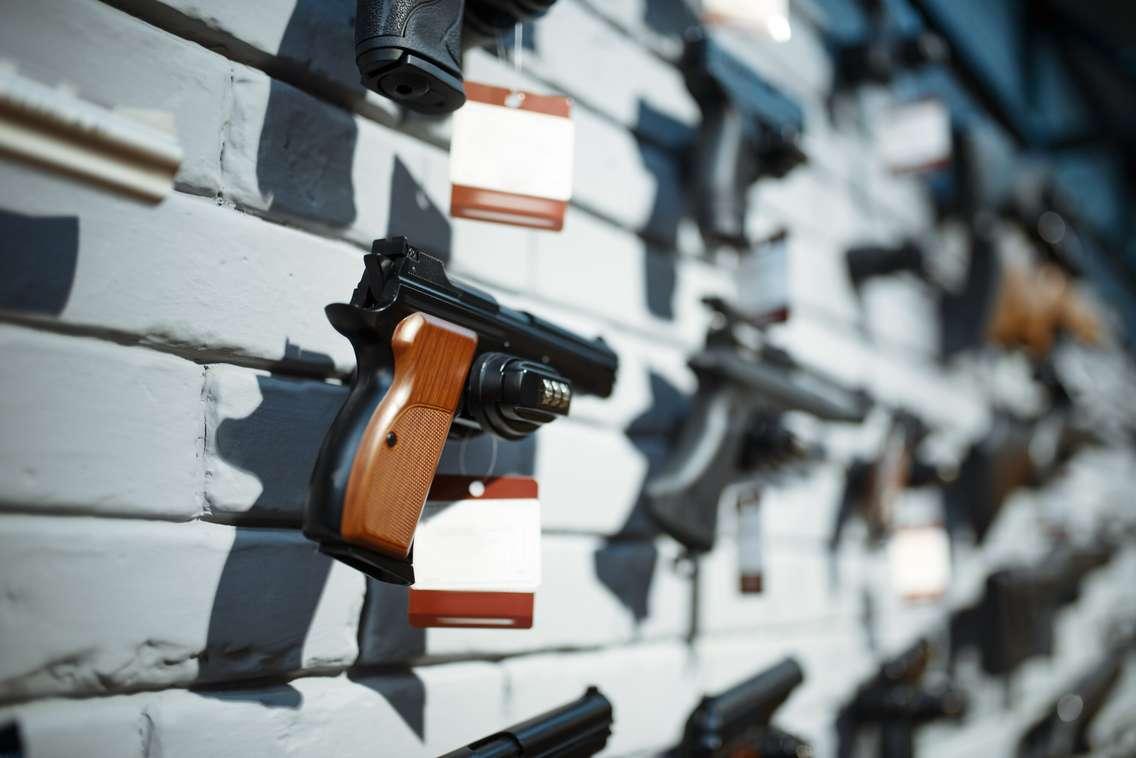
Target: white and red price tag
(770,17)
(919,560)
(477,553)
(511,157)
(916,136)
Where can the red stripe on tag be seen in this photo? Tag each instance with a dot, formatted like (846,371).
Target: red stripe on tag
(488,610)
(447,488)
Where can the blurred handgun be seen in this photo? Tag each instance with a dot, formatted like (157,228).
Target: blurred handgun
(462,365)
(748,130)
(872,486)
(1015,454)
(884,52)
(577,730)
(728,433)
(410,50)
(1015,618)
(737,722)
(895,703)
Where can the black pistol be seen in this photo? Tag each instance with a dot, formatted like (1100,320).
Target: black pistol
(727,434)
(577,730)
(749,129)
(737,721)
(410,50)
(895,703)
(884,51)
(434,359)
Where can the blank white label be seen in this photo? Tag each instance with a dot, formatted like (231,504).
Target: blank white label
(763,279)
(512,150)
(485,545)
(915,136)
(920,562)
(769,16)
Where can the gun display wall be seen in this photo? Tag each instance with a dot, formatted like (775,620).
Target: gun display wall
(566,377)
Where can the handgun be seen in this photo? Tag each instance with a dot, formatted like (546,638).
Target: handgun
(577,730)
(895,702)
(1014,454)
(1064,728)
(749,129)
(727,434)
(884,51)
(462,365)
(1015,618)
(410,50)
(737,721)
(872,485)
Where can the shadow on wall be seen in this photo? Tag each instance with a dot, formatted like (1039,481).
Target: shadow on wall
(305,156)
(626,562)
(414,215)
(668,207)
(38,259)
(669,17)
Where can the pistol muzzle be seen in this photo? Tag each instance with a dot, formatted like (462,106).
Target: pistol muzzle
(511,397)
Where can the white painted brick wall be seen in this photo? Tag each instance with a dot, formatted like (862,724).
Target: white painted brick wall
(168,375)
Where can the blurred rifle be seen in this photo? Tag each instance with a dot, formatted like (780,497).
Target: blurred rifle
(895,703)
(737,722)
(576,730)
(733,430)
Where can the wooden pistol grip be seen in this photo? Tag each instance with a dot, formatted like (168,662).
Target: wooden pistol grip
(398,455)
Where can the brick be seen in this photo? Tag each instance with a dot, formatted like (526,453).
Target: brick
(408,713)
(59,42)
(651,688)
(94,606)
(639,595)
(102,428)
(216,287)
(643,79)
(204,291)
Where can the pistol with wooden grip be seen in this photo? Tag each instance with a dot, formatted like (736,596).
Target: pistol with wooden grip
(733,431)
(434,359)
(748,130)
(410,50)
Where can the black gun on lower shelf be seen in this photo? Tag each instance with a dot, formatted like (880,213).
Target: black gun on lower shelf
(728,436)
(894,703)
(576,730)
(737,721)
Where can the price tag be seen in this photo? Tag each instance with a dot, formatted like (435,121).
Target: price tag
(511,156)
(766,16)
(919,560)
(889,478)
(763,281)
(477,554)
(751,561)
(916,136)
